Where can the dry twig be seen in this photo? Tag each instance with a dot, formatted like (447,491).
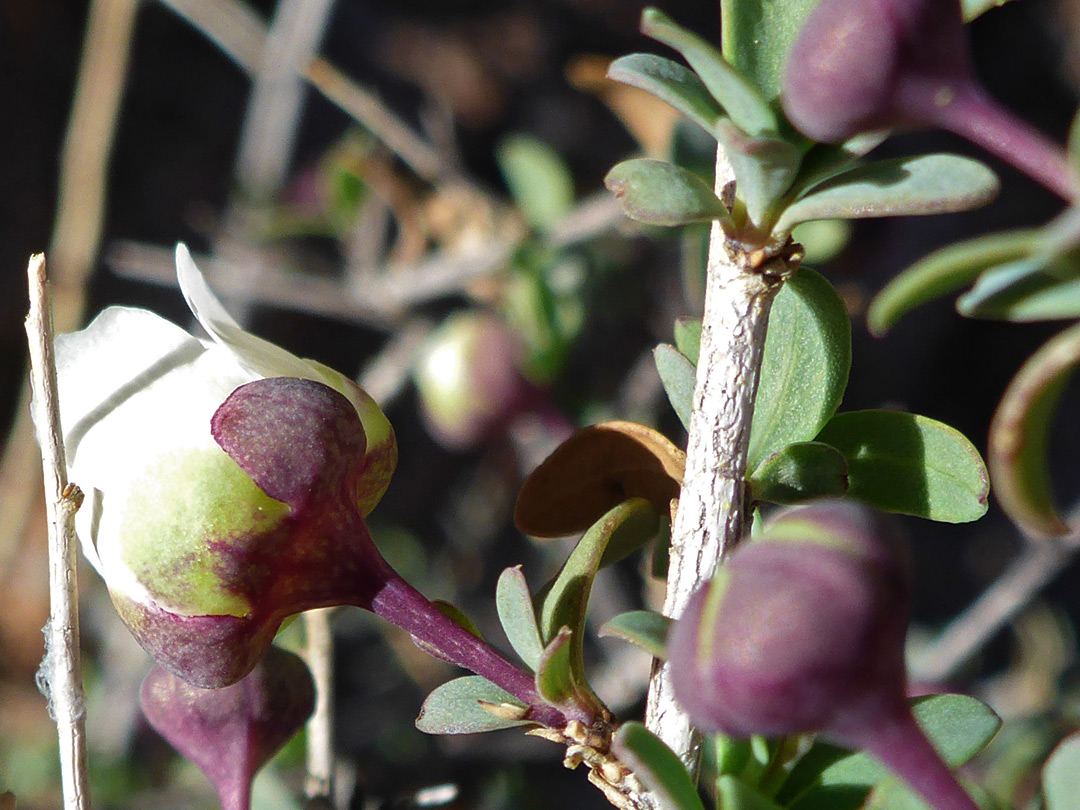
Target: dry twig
(61,673)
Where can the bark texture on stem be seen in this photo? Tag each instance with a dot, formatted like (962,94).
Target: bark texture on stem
(61,671)
(319,656)
(711,517)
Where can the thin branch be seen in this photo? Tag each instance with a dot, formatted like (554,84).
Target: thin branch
(1038,564)
(711,516)
(241,36)
(277,96)
(319,655)
(61,673)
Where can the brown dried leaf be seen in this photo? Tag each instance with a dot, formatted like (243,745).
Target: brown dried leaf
(595,470)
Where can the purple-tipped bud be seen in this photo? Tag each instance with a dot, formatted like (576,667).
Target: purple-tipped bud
(301,444)
(861,65)
(230,733)
(799,634)
(803,631)
(864,65)
(468,380)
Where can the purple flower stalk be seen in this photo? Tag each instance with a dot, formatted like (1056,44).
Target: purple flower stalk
(803,632)
(863,65)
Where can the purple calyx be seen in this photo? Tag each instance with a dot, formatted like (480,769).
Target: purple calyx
(230,733)
(802,631)
(302,443)
(864,65)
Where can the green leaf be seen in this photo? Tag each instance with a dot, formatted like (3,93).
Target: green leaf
(1020,436)
(800,472)
(764,168)
(678,376)
(757,36)
(456,707)
(556,679)
(657,766)
(828,777)
(924,184)
(538,179)
(1061,775)
(688,338)
(945,271)
(515,606)
(824,161)
(736,795)
(671,82)
(644,628)
(1028,290)
(739,98)
(805,366)
(901,462)
(564,601)
(659,193)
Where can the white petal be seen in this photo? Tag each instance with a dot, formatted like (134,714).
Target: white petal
(133,386)
(261,356)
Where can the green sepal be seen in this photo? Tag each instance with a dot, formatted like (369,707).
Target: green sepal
(456,707)
(800,472)
(660,193)
(914,465)
(643,628)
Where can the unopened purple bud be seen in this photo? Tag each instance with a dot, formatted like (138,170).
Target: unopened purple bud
(858,64)
(230,733)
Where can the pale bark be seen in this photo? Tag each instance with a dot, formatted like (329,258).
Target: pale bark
(711,517)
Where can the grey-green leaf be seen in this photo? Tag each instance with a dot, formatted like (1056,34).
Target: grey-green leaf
(515,606)
(656,766)
(901,462)
(659,193)
(805,365)
(538,178)
(800,472)
(671,82)
(739,98)
(974,8)
(945,271)
(644,628)
(456,707)
(924,184)
(1020,436)
(677,374)
(688,338)
(757,36)
(764,168)
(1061,775)
(1028,290)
